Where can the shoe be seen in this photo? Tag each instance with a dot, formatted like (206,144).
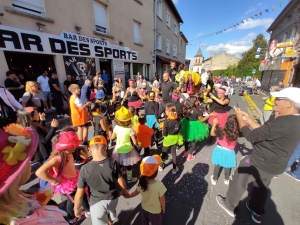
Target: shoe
(185,154)
(175,171)
(255,217)
(291,174)
(154,146)
(221,202)
(226,182)
(213,182)
(76,220)
(161,167)
(66,116)
(190,157)
(87,215)
(51,107)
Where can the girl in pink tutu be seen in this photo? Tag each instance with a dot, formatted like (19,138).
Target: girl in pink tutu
(219,107)
(60,171)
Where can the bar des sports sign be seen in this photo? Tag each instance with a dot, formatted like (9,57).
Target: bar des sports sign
(67,44)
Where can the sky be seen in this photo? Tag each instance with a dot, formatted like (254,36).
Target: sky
(203,17)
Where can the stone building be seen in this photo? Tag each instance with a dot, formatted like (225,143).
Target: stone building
(220,61)
(282,61)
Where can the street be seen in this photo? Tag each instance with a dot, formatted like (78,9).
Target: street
(190,198)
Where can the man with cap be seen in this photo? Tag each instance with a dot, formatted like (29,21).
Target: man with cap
(100,175)
(273,144)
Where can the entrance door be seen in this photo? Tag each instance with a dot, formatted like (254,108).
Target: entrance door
(30,65)
(105,64)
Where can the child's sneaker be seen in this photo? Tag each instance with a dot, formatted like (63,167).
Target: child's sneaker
(87,214)
(175,171)
(185,154)
(226,182)
(190,157)
(213,182)
(161,167)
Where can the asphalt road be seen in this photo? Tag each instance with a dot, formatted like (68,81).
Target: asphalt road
(191,197)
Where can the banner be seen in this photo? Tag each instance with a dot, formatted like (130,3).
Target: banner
(80,66)
(119,70)
(67,44)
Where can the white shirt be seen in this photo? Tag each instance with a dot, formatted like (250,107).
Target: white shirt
(204,77)
(257,83)
(43,81)
(77,102)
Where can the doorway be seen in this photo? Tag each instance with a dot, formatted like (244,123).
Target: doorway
(105,64)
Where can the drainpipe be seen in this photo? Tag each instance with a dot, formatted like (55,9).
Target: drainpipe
(155,38)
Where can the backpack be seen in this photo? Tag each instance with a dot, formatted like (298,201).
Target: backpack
(43,183)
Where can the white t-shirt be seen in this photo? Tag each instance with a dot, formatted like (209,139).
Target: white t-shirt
(204,77)
(78,102)
(43,81)
(156,83)
(257,83)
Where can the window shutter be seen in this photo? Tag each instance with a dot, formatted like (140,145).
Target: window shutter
(100,15)
(136,32)
(32,6)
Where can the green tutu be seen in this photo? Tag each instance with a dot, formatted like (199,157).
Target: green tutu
(175,139)
(194,130)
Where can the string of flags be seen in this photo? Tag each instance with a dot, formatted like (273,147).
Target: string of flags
(242,48)
(272,8)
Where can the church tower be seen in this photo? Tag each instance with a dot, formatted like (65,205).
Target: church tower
(198,59)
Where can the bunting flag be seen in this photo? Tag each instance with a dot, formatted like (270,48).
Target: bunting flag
(238,24)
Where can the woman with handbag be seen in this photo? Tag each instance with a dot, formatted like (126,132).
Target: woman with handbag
(34,97)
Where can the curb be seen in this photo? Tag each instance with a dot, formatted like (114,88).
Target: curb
(251,102)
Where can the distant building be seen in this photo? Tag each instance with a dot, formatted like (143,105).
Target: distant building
(198,59)
(220,61)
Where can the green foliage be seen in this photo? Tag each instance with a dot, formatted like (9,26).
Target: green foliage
(218,72)
(248,61)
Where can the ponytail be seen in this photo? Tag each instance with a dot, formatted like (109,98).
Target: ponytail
(143,183)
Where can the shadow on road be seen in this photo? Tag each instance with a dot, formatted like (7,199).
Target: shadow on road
(242,149)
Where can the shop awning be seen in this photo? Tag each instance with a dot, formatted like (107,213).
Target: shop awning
(167,60)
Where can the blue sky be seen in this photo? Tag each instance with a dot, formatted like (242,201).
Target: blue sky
(203,17)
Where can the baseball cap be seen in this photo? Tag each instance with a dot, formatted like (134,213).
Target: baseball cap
(98,140)
(291,93)
(149,165)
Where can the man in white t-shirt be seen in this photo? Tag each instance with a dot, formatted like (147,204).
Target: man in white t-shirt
(43,81)
(204,77)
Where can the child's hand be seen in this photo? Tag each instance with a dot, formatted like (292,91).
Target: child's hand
(125,193)
(215,121)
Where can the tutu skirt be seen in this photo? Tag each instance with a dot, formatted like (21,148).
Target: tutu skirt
(175,139)
(193,130)
(151,120)
(222,118)
(137,104)
(127,159)
(224,157)
(66,186)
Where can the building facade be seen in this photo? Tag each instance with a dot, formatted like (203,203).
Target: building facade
(182,49)
(198,60)
(220,61)
(168,44)
(76,39)
(282,60)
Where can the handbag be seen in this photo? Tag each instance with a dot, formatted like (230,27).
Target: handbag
(29,102)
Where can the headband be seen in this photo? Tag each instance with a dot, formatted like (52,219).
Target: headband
(221,91)
(175,97)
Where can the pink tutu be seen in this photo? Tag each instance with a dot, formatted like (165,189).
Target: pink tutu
(66,186)
(127,159)
(222,118)
(136,104)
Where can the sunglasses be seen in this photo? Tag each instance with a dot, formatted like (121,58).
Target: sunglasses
(278,99)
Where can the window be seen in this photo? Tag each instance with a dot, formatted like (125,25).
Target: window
(175,29)
(100,14)
(158,41)
(159,8)
(168,19)
(293,34)
(167,46)
(175,50)
(35,7)
(137,33)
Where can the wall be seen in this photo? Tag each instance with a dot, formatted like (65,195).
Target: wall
(222,61)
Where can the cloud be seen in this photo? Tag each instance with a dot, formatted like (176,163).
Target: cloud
(175,1)
(233,47)
(260,4)
(250,10)
(199,34)
(266,22)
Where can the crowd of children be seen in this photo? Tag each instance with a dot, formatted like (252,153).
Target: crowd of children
(183,123)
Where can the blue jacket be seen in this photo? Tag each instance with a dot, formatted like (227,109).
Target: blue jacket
(85,94)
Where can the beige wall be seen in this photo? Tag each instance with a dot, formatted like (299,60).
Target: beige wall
(68,13)
(222,61)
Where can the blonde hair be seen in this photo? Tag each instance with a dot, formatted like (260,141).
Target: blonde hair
(14,203)
(29,85)
(73,87)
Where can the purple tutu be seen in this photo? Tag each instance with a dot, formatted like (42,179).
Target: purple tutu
(66,186)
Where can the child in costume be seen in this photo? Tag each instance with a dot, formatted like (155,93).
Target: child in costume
(172,136)
(134,119)
(180,75)
(223,155)
(17,147)
(124,153)
(64,144)
(144,134)
(79,113)
(189,85)
(193,129)
(151,111)
(152,191)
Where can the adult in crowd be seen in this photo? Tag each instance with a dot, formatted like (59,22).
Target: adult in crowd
(288,84)
(280,85)
(13,85)
(96,80)
(132,95)
(8,107)
(140,81)
(104,77)
(57,95)
(180,79)
(268,107)
(204,78)
(273,144)
(85,92)
(22,79)
(67,84)
(43,81)
(118,89)
(172,71)
(103,184)
(250,84)
(80,82)
(31,117)
(210,79)
(156,83)
(34,97)
(257,85)
(219,107)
